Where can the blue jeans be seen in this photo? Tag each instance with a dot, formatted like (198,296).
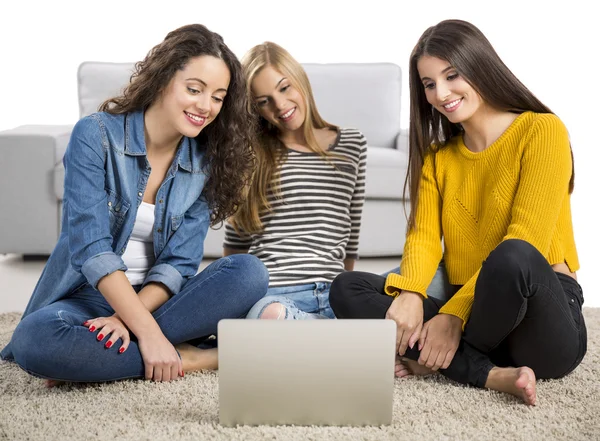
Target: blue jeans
(440,286)
(53,343)
(301,302)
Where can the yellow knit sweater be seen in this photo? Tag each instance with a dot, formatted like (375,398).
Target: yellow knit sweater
(517,188)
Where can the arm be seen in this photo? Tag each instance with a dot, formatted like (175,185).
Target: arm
(349,264)
(90,244)
(234,242)
(181,256)
(356,207)
(546,168)
(423,248)
(85,200)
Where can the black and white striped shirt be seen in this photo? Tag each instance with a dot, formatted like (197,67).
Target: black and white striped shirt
(315,219)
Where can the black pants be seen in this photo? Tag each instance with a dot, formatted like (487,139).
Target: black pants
(524,314)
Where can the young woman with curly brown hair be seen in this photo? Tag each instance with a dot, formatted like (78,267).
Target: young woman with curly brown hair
(145,177)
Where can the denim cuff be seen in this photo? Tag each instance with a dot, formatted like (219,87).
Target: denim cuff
(167,275)
(101,265)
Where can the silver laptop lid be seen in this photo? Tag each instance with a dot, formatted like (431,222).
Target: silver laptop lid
(306,372)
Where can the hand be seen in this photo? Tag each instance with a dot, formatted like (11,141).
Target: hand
(161,360)
(439,341)
(111,327)
(407,311)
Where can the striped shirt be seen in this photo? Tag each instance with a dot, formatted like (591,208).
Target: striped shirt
(314,222)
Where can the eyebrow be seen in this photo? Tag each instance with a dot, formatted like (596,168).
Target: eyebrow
(276,86)
(444,71)
(204,84)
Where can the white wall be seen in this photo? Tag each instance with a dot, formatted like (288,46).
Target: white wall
(551,46)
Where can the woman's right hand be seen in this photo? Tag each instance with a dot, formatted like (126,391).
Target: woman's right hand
(161,360)
(407,311)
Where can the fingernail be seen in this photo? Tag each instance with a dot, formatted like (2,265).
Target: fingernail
(100,336)
(121,350)
(108,344)
(86,322)
(92,328)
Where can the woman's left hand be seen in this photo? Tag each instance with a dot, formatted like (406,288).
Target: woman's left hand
(111,327)
(439,341)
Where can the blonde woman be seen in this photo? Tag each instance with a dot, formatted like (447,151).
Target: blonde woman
(303,211)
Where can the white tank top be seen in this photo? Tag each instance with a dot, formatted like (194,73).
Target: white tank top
(139,253)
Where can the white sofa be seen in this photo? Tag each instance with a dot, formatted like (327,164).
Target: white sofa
(366,96)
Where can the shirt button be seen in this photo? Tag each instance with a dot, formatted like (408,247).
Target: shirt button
(140,194)
(117,209)
(159,230)
(573,300)
(160,201)
(109,203)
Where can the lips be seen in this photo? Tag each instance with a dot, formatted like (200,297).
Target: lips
(196,120)
(288,115)
(452,105)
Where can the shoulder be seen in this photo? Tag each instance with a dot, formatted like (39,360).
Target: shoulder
(353,138)
(546,133)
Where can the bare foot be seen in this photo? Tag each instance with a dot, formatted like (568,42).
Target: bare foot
(519,382)
(405,367)
(195,359)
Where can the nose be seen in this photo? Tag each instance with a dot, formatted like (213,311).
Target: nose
(279,102)
(203,103)
(442,92)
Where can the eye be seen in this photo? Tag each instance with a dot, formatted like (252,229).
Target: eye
(452,76)
(429,85)
(217,99)
(284,88)
(193,91)
(262,103)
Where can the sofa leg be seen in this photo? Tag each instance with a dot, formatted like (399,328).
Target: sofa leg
(35,257)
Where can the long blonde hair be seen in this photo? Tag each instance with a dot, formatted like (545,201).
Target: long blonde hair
(270,151)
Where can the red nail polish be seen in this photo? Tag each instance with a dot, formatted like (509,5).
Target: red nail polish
(121,350)
(100,336)
(92,328)
(86,322)
(108,344)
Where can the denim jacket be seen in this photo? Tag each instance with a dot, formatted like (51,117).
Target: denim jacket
(106,172)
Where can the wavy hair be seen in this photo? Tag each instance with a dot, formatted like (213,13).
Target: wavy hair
(467,50)
(229,157)
(270,150)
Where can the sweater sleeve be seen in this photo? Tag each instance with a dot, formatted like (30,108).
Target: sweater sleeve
(546,167)
(423,248)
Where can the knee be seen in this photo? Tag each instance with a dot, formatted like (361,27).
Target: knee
(253,272)
(274,311)
(338,294)
(512,255)
(32,344)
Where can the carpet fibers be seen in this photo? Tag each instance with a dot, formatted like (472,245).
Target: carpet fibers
(430,408)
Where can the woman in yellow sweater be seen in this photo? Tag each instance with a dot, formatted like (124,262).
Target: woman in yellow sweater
(490,174)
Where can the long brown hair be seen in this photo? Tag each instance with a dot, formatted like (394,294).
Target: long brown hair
(468,51)
(270,151)
(229,157)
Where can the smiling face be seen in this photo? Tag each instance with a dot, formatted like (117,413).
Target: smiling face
(447,91)
(194,96)
(278,101)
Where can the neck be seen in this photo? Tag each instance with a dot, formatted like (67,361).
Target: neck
(293,137)
(159,136)
(485,127)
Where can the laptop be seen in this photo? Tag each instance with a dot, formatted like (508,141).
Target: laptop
(306,372)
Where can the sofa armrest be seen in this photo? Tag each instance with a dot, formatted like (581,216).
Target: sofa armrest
(402,141)
(29,215)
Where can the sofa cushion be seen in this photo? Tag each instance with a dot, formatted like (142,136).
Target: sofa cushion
(386,172)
